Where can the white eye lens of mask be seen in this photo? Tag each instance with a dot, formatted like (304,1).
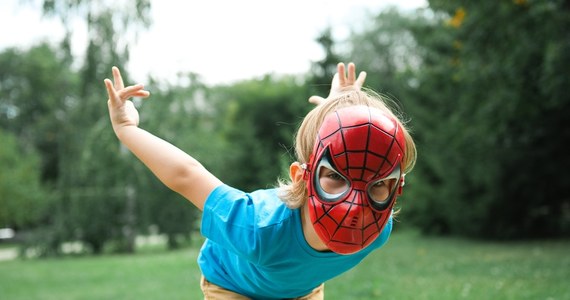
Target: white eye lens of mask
(381,191)
(330,185)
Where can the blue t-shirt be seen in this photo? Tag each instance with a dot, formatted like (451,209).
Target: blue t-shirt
(255,246)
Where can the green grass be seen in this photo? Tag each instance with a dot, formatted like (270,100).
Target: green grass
(408,267)
(414,267)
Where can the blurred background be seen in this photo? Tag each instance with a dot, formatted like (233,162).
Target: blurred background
(483,85)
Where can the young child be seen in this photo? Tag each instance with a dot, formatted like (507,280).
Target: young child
(285,242)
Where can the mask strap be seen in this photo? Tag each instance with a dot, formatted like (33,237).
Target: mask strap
(402,183)
(307,168)
(305,171)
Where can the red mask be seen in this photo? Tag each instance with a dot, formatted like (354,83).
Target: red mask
(354,177)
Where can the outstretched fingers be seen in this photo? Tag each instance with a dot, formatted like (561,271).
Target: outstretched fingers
(136,90)
(344,79)
(360,80)
(348,76)
(351,73)
(341,73)
(119,84)
(117,91)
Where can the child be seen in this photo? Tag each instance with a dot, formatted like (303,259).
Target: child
(352,155)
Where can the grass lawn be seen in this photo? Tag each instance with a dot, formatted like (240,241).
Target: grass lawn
(408,267)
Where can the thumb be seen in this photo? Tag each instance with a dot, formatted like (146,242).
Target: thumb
(316,100)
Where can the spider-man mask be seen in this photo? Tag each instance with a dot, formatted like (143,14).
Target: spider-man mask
(354,176)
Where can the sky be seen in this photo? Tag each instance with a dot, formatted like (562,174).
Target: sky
(221,40)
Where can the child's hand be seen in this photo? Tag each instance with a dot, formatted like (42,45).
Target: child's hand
(342,82)
(121,110)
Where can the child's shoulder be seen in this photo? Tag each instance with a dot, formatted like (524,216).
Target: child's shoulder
(259,208)
(260,200)
(269,208)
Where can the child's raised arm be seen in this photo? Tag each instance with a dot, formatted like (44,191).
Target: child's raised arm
(344,80)
(176,169)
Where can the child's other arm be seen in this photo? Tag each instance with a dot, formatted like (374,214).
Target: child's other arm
(176,169)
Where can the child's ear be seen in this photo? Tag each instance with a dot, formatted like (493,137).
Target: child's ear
(296,172)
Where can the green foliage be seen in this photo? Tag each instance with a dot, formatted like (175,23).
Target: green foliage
(34,106)
(387,50)
(489,112)
(35,102)
(323,70)
(258,120)
(98,200)
(483,86)
(22,197)
(61,113)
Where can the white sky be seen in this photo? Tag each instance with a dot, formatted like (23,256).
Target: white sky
(222,40)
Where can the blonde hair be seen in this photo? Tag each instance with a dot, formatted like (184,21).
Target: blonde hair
(295,194)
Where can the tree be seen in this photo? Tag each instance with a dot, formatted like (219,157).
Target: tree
(34,102)
(482,83)
(259,119)
(22,197)
(69,162)
(387,49)
(491,79)
(323,70)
